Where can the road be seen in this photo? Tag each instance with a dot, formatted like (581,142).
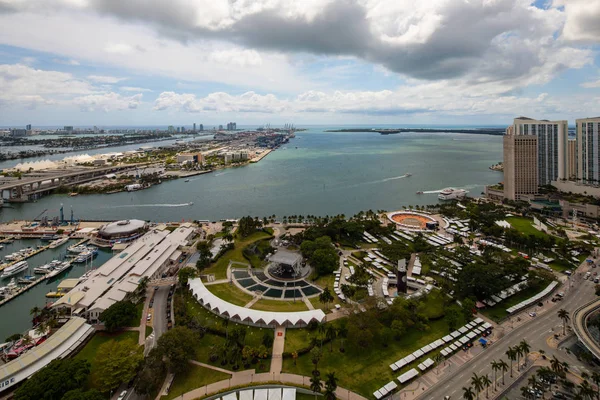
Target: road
(535,332)
(159,319)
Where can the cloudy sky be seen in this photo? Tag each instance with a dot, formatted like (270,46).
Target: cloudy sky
(148,62)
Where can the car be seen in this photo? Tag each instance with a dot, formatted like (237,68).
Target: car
(540,304)
(122,395)
(155,287)
(532,314)
(561,294)
(149,317)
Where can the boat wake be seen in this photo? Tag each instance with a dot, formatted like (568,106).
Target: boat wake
(155,205)
(467,187)
(390,179)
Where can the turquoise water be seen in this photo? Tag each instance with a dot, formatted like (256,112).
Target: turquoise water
(316,173)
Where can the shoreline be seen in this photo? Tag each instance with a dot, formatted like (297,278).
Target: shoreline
(482,131)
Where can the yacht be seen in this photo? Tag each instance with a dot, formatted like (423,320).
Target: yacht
(407,175)
(63,266)
(49,237)
(77,249)
(14,269)
(187,180)
(59,242)
(452,194)
(86,255)
(44,269)
(420,192)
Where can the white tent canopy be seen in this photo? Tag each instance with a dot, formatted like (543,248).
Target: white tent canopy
(249,316)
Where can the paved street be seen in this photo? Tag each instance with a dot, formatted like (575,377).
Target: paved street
(159,319)
(536,331)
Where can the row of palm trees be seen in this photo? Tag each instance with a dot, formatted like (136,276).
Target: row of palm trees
(480,382)
(540,382)
(316,385)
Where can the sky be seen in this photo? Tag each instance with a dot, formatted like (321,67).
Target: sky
(159,62)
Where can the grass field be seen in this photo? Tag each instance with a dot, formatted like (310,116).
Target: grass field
(230,293)
(498,312)
(279,305)
(193,377)
(90,350)
(525,226)
(219,268)
(360,370)
(148,331)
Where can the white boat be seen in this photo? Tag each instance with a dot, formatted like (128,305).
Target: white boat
(86,255)
(77,249)
(452,194)
(14,269)
(43,269)
(59,242)
(59,269)
(11,257)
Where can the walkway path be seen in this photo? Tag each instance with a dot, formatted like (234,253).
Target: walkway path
(248,377)
(278,346)
(308,303)
(218,281)
(251,302)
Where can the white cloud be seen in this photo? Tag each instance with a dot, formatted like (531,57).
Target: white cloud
(133,89)
(589,85)
(236,57)
(581,20)
(66,62)
(108,102)
(105,79)
(119,48)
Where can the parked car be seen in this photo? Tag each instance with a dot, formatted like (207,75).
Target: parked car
(122,395)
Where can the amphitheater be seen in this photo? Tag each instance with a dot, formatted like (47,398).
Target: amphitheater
(411,220)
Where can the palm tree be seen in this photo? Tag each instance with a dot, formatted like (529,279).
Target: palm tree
(477,383)
(557,366)
(526,393)
(519,353)
(330,333)
(225,323)
(330,386)
(503,366)
(512,356)
(316,385)
(525,347)
(564,316)
(321,329)
(35,311)
(468,393)
(495,367)
(485,380)
(586,391)
(342,332)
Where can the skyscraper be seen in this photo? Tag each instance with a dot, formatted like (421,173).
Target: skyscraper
(588,149)
(552,146)
(28,127)
(194,127)
(520,164)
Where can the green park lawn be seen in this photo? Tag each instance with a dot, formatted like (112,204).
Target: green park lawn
(360,370)
(279,305)
(219,268)
(230,293)
(90,350)
(525,226)
(498,312)
(193,377)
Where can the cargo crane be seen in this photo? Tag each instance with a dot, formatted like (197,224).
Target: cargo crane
(38,216)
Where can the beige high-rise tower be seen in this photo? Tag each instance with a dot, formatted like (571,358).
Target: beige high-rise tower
(588,150)
(520,165)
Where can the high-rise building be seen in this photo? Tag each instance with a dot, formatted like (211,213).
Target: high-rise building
(572,160)
(178,129)
(220,127)
(520,165)
(18,132)
(588,149)
(201,127)
(28,127)
(182,129)
(552,146)
(194,127)
(171,129)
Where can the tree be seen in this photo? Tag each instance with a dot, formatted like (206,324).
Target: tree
(342,333)
(503,367)
(330,333)
(564,316)
(495,367)
(519,353)
(325,297)
(205,255)
(477,383)
(315,357)
(54,380)
(315,384)
(117,362)
(80,394)
(596,379)
(330,386)
(177,346)
(152,374)
(118,315)
(398,329)
(557,366)
(512,356)
(468,393)
(185,274)
(468,305)
(525,347)
(452,316)
(485,380)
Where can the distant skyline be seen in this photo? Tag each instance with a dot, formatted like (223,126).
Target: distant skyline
(309,62)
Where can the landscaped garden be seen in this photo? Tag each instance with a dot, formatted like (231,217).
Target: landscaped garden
(194,376)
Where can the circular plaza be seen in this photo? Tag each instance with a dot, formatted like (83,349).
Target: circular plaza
(411,220)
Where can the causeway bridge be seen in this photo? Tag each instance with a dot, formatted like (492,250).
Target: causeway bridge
(35,184)
(579,320)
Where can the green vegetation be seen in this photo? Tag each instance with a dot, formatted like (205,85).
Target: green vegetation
(219,269)
(117,362)
(148,331)
(121,314)
(498,312)
(230,293)
(91,349)
(525,226)
(321,255)
(279,305)
(193,377)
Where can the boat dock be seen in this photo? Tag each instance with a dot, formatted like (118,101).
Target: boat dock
(261,156)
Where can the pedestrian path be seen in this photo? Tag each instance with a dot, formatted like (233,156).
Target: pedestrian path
(251,302)
(308,303)
(278,346)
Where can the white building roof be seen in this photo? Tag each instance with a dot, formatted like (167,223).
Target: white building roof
(220,306)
